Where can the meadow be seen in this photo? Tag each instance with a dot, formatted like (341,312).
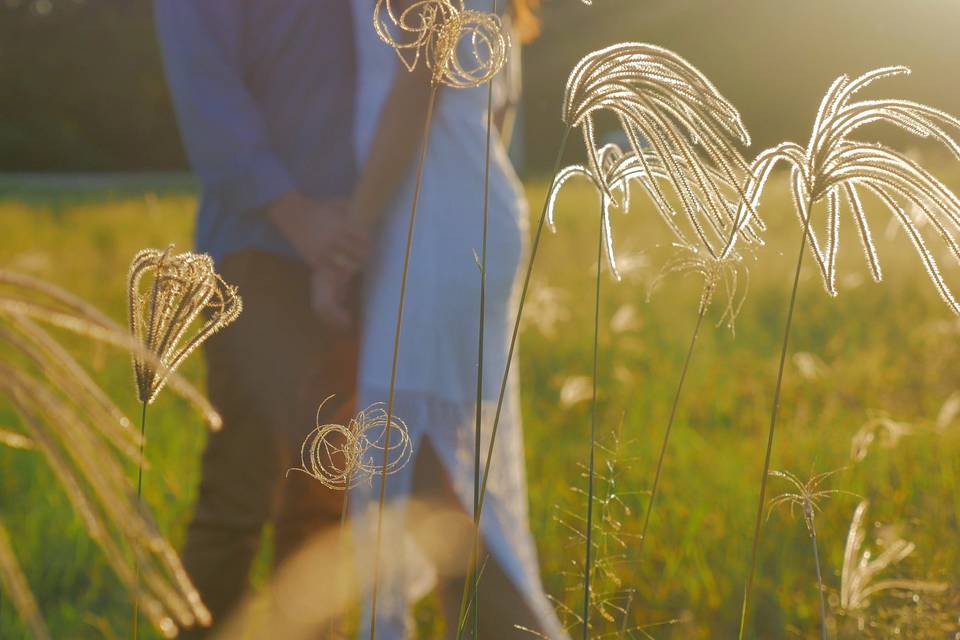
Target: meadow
(876,351)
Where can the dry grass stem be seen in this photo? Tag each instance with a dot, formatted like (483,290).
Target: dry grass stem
(610,542)
(17,590)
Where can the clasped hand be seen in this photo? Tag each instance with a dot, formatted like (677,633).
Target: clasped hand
(334,245)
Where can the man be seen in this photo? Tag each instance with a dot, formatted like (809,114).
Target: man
(263,93)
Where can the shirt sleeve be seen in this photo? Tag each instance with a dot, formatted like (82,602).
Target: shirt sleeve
(224,133)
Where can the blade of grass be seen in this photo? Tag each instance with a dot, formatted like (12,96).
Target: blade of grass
(483,303)
(506,374)
(666,433)
(587,564)
(135,623)
(774,414)
(396,351)
(820,587)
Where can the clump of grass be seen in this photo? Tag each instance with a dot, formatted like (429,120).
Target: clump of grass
(683,137)
(861,588)
(612,541)
(833,167)
(85,438)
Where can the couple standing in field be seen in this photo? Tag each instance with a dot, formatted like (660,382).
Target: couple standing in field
(303,128)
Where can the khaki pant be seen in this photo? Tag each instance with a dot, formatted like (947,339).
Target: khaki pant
(267,374)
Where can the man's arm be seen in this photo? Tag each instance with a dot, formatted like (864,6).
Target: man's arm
(226,138)
(224,134)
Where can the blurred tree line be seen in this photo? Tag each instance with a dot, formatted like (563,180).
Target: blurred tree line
(83,87)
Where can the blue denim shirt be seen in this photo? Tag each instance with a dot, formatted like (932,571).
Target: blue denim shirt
(263,91)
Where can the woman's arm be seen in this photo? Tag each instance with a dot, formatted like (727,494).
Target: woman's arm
(389,159)
(394,145)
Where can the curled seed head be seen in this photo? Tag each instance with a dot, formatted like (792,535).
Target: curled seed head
(343,456)
(463,48)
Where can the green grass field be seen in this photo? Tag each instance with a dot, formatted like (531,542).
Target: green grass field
(888,349)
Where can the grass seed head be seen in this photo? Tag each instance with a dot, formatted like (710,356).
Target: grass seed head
(182,288)
(859,582)
(462,48)
(683,137)
(835,170)
(343,456)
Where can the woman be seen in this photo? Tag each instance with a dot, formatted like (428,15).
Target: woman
(436,382)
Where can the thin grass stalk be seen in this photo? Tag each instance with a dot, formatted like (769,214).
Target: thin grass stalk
(483,303)
(666,434)
(587,563)
(135,623)
(820,587)
(774,414)
(506,374)
(341,544)
(396,351)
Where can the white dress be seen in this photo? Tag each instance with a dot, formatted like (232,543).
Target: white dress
(436,381)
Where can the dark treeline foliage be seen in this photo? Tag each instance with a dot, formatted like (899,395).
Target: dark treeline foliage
(83,88)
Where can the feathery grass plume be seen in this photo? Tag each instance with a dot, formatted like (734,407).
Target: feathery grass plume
(727,276)
(13,440)
(859,585)
(718,271)
(684,138)
(25,296)
(932,616)
(18,591)
(669,110)
(439,31)
(807,496)
(879,429)
(834,168)
(182,288)
(85,438)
